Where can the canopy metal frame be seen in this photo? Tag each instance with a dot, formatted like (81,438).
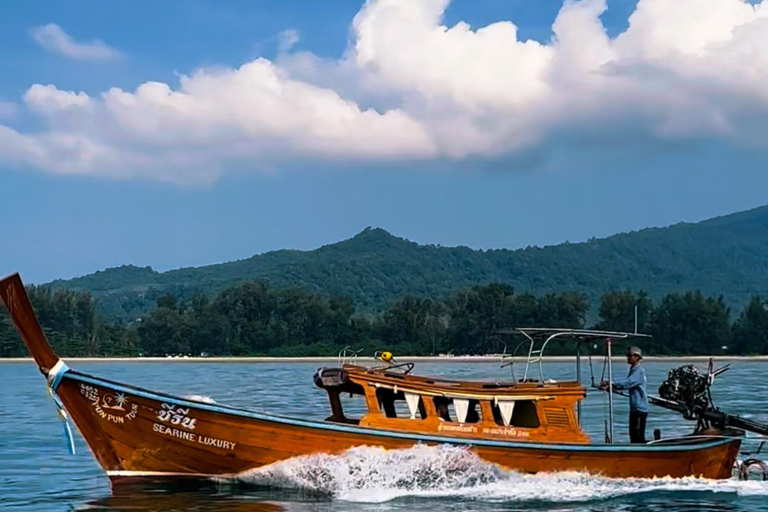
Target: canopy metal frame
(537,339)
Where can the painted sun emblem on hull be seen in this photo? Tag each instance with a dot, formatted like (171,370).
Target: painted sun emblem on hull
(113,407)
(114,401)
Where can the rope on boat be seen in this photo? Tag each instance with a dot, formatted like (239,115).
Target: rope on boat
(54,379)
(591,370)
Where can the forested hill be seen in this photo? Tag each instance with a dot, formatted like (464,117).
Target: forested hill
(725,256)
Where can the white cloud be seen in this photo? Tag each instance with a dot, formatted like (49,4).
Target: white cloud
(48,98)
(52,38)
(252,115)
(286,40)
(683,70)
(660,28)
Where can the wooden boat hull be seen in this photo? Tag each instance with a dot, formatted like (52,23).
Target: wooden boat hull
(150,435)
(139,434)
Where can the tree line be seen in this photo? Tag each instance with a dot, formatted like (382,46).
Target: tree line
(253,319)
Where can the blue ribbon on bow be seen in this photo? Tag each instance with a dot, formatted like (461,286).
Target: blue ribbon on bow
(53,385)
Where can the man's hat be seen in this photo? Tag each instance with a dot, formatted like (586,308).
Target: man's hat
(636,351)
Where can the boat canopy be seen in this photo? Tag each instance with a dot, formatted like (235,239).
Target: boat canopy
(578,334)
(537,338)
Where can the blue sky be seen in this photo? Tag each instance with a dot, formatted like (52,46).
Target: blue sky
(606,128)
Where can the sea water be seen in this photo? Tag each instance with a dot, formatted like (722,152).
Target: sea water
(38,474)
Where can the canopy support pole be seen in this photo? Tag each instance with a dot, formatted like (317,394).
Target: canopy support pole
(578,379)
(610,391)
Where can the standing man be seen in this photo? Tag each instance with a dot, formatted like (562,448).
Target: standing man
(635,384)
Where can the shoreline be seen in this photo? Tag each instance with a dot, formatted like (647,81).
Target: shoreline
(324,359)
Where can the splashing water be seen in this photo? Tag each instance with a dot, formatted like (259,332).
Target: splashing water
(200,398)
(375,475)
(360,471)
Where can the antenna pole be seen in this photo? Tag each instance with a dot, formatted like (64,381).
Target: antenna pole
(635,318)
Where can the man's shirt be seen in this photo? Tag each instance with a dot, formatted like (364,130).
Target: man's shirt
(635,384)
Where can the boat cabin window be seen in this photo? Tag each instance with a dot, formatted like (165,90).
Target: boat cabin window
(395,405)
(447,410)
(523,414)
(353,404)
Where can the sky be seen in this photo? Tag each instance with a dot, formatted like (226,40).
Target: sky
(175,134)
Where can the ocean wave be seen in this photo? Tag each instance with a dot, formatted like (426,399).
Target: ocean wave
(375,475)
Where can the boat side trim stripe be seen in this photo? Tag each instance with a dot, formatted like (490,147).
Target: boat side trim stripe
(121,472)
(400,435)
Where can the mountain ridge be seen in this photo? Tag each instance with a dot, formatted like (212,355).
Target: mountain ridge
(720,256)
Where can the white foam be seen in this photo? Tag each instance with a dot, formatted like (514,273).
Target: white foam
(200,398)
(375,475)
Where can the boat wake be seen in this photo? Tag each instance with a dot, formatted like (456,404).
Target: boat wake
(375,475)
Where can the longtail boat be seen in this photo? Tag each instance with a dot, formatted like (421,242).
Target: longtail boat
(528,425)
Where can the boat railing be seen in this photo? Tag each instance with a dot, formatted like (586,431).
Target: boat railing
(390,363)
(508,358)
(348,356)
(535,355)
(404,368)
(536,341)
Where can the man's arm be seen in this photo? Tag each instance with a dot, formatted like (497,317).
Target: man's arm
(634,379)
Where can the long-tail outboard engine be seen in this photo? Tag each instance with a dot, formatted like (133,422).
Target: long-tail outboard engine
(687,391)
(689,387)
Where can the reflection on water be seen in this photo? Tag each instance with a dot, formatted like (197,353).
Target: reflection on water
(37,473)
(170,498)
(616,495)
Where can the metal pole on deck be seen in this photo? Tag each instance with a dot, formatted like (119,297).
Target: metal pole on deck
(578,378)
(610,392)
(635,318)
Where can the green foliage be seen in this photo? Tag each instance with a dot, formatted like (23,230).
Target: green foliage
(413,324)
(750,332)
(617,312)
(722,256)
(255,318)
(476,314)
(691,324)
(10,344)
(70,323)
(250,319)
